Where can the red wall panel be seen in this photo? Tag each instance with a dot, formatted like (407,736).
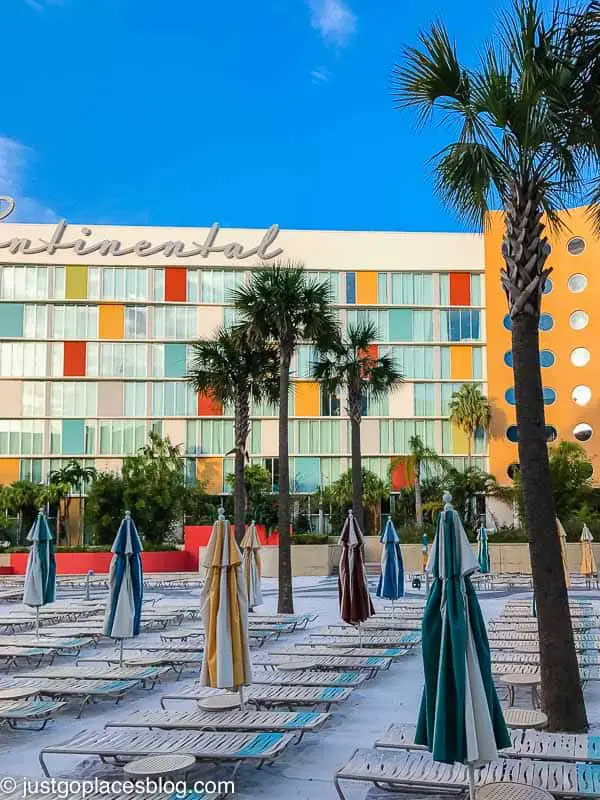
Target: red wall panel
(401,477)
(208,406)
(74,359)
(460,289)
(80,563)
(196,536)
(176,284)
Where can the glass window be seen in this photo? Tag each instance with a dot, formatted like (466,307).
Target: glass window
(21,437)
(580,356)
(507,322)
(209,437)
(256,437)
(215,285)
(512,433)
(34,399)
(332,279)
(477,362)
(379,318)
(121,438)
(413,362)
(175,322)
(35,322)
(117,283)
(375,406)
(576,246)
(23,359)
(476,294)
(303,360)
(583,432)
(458,325)
(158,284)
(411,289)
(173,399)
(548,286)
(24,283)
(136,322)
(31,470)
(549,396)
(448,389)
(117,360)
(330,405)
(510,396)
(577,283)
(231,317)
(73,399)
(74,322)
(383,279)
(546,322)
(134,399)
(312,437)
(444,289)
(578,320)
(350,288)
(445,363)
(395,435)
(424,399)
(581,395)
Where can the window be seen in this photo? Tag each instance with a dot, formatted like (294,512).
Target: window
(120,438)
(583,432)
(332,279)
(395,435)
(379,318)
(375,406)
(512,433)
(312,437)
(134,399)
(407,325)
(330,404)
(578,320)
(581,395)
(25,283)
(513,470)
(209,437)
(174,399)
(458,325)
(73,399)
(303,361)
(577,283)
(157,277)
(507,322)
(405,288)
(35,322)
(212,285)
(547,358)
(476,293)
(549,396)
(477,361)
(580,357)
(117,360)
(175,322)
(510,397)
(548,286)
(117,283)
(21,437)
(23,359)
(576,246)
(256,436)
(414,362)
(448,389)
(424,399)
(350,288)
(546,322)
(74,322)
(136,322)
(445,362)
(34,399)
(31,470)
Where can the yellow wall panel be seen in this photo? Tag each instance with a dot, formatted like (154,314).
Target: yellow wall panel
(461,363)
(210,472)
(459,440)
(76,282)
(9,470)
(111,322)
(366,288)
(308,399)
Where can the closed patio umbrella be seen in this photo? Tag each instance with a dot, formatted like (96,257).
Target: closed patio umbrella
(563,551)
(40,574)
(588,562)
(483,551)
(226,662)
(355,601)
(460,719)
(391,580)
(125,585)
(252,567)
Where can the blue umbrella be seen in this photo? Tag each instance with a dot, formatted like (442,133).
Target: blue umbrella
(40,574)
(391,580)
(483,554)
(126,585)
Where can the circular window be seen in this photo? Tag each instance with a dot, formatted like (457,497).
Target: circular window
(581,395)
(512,433)
(513,470)
(582,432)
(509,396)
(508,359)
(546,322)
(547,286)
(578,320)
(576,246)
(577,283)
(580,356)
(551,434)
(549,396)
(546,358)
(507,322)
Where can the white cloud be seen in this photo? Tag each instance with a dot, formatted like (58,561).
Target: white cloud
(14,161)
(320,75)
(334,20)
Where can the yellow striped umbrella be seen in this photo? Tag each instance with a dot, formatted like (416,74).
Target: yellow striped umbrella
(226,662)
(588,562)
(563,550)
(252,566)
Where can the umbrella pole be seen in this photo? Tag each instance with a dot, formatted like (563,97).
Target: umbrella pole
(241,693)
(120,652)
(37,621)
(471,770)
(392,609)
(359,635)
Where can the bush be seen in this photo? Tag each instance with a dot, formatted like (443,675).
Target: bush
(310,538)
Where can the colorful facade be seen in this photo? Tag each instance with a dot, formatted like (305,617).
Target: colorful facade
(96,326)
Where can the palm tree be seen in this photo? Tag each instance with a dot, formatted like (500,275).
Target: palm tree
(528,139)
(74,476)
(347,363)
(234,371)
(281,304)
(419,453)
(470,411)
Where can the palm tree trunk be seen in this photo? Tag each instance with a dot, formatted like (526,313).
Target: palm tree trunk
(357,483)
(242,421)
(418,497)
(286,599)
(525,253)
(469,450)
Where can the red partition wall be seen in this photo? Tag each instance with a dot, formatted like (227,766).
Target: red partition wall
(80,563)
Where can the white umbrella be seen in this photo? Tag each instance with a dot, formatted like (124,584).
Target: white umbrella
(252,567)
(40,574)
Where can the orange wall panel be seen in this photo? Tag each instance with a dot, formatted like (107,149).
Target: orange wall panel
(176,284)
(461,363)
(460,289)
(9,470)
(74,359)
(307,399)
(111,321)
(208,406)
(401,474)
(366,288)
(210,472)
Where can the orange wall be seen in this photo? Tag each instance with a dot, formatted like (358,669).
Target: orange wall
(560,303)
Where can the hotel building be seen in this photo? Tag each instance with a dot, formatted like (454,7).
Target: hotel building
(96,325)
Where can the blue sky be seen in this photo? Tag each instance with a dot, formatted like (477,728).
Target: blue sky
(245,112)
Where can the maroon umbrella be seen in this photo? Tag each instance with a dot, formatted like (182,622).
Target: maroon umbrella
(355,602)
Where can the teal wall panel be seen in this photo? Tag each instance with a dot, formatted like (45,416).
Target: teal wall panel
(175,360)
(11,319)
(73,437)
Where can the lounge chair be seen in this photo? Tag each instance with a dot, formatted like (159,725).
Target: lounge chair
(387,624)
(307,678)
(271,696)
(349,636)
(371,664)
(298,621)
(14,656)
(85,691)
(146,675)
(246,720)
(176,660)
(19,713)
(403,770)
(62,646)
(261,748)
(337,648)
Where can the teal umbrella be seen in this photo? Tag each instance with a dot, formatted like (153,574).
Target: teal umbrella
(460,719)
(40,573)
(483,552)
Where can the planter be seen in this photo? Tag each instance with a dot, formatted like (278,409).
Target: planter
(307,559)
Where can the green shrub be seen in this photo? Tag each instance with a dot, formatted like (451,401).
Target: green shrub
(310,538)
